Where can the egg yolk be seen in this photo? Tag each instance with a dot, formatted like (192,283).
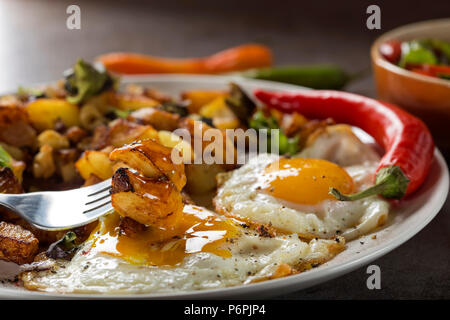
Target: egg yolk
(305,181)
(195,230)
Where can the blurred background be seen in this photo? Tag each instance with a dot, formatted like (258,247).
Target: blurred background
(36,46)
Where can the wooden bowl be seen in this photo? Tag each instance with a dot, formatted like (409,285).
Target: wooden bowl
(427,97)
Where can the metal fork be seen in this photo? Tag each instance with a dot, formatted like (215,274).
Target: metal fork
(61,210)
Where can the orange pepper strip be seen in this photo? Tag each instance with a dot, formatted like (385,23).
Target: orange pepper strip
(234,59)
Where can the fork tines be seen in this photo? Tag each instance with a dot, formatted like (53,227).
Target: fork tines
(97,197)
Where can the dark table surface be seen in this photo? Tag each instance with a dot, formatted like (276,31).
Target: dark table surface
(36,46)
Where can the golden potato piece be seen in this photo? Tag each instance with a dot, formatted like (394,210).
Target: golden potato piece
(171,140)
(157,118)
(53,139)
(338,144)
(44,163)
(133,158)
(201,178)
(91,117)
(205,136)
(148,201)
(9,182)
(220,113)
(44,113)
(15,128)
(131,227)
(152,160)
(65,163)
(199,98)
(43,236)
(75,134)
(93,179)
(95,163)
(123,132)
(292,123)
(127,101)
(17,244)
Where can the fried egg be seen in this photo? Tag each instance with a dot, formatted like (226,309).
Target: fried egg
(211,252)
(292,194)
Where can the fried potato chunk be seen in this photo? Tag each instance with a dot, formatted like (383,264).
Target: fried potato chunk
(131,227)
(9,182)
(157,118)
(201,178)
(199,98)
(152,160)
(44,163)
(95,163)
(205,136)
(44,113)
(338,144)
(129,101)
(148,201)
(122,132)
(44,236)
(15,128)
(17,244)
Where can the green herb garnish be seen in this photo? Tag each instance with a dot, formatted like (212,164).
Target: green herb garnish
(286,145)
(5,158)
(64,248)
(85,81)
(123,114)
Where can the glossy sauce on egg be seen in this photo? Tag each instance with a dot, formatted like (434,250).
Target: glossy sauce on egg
(193,230)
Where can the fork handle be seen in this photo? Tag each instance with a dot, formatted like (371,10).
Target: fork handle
(10,201)
(25,206)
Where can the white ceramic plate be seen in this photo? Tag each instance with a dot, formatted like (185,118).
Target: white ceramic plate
(408,218)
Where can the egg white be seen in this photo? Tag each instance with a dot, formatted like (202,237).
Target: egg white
(253,258)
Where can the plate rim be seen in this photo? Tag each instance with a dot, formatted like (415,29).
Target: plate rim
(311,277)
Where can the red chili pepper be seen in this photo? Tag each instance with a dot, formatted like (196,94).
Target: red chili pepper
(408,144)
(423,72)
(431,70)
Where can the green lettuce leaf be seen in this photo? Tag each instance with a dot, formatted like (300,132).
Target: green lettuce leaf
(414,52)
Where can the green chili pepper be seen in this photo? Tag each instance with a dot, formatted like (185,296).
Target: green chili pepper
(315,76)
